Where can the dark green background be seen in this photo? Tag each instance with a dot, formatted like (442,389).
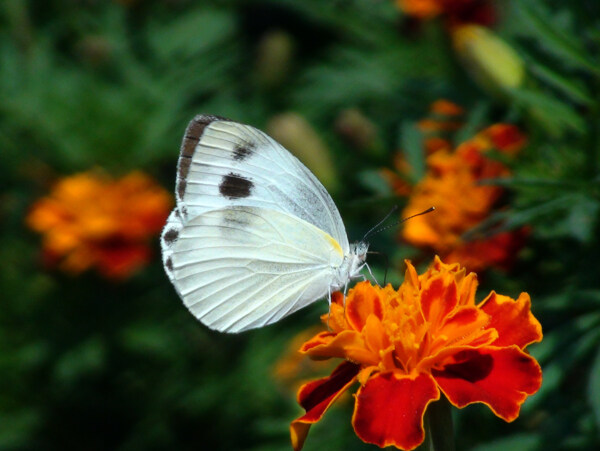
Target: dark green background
(96,365)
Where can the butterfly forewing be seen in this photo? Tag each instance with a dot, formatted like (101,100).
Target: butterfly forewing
(224,163)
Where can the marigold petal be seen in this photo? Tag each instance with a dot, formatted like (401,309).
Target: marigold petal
(375,335)
(501,378)
(389,409)
(335,319)
(316,397)
(347,344)
(506,137)
(363,302)
(466,327)
(513,320)
(438,299)
(322,338)
(446,108)
(410,276)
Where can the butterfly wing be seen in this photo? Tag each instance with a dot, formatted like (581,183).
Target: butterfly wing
(243,267)
(224,163)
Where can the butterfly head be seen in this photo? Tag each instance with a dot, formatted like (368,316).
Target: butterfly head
(357,257)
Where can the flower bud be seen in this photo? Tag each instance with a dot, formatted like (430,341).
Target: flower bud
(274,58)
(492,63)
(297,135)
(359,132)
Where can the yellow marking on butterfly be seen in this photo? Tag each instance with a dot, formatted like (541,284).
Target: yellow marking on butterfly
(335,244)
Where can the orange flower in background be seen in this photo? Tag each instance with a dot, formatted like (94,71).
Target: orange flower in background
(408,346)
(444,116)
(453,185)
(89,220)
(454,11)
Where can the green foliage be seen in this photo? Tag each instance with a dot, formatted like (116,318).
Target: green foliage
(90,364)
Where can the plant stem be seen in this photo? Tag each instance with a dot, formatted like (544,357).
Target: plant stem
(438,426)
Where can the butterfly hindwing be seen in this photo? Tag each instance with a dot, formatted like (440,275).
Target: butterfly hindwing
(242,267)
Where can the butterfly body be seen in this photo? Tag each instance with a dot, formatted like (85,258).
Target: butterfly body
(254,235)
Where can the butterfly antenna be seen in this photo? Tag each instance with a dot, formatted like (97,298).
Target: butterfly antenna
(373,232)
(370,232)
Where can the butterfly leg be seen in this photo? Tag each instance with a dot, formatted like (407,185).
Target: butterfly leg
(371,273)
(329,312)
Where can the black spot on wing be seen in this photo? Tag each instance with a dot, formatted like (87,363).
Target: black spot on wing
(242,151)
(234,186)
(169,264)
(171,236)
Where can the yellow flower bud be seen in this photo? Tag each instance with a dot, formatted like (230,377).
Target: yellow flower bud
(492,63)
(298,136)
(274,59)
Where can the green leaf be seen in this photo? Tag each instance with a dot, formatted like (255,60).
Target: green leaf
(594,388)
(373,180)
(516,442)
(411,143)
(564,358)
(550,112)
(576,91)
(582,219)
(86,358)
(539,23)
(475,121)
(194,32)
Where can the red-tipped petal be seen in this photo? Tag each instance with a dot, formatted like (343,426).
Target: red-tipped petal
(363,302)
(438,300)
(501,378)
(316,397)
(389,409)
(512,319)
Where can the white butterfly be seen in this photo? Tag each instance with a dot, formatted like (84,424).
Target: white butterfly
(254,235)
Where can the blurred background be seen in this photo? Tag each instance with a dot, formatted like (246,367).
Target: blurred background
(488,110)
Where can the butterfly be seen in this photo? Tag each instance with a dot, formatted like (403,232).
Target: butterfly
(254,236)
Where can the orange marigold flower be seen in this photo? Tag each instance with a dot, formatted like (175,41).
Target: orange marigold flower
(452,185)
(89,220)
(455,11)
(405,347)
(444,116)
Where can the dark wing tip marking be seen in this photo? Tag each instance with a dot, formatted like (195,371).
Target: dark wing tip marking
(194,131)
(242,151)
(192,136)
(234,186)
(183,168)
(171,236)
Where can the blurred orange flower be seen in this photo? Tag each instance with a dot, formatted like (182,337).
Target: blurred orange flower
(455,11)
(452,185)
(89,220)
(406,346)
